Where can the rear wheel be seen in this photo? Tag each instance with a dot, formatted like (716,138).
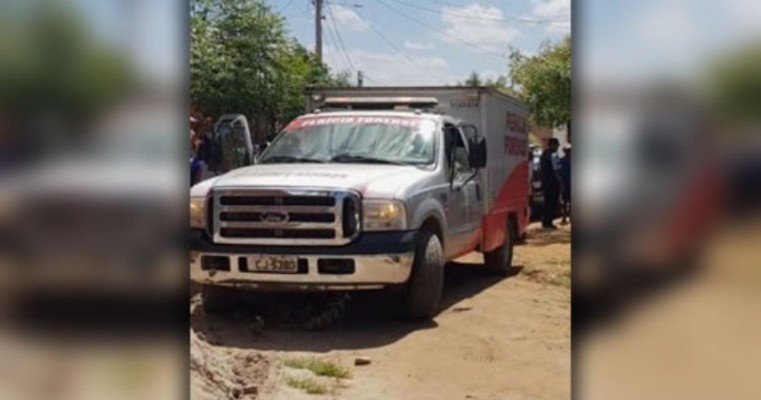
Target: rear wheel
(500,260)
(423,291)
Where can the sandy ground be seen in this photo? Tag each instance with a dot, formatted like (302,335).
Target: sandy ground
(495,338)
(695,338)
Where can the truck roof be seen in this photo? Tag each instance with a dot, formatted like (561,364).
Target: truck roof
(412,96)
(388,113)
(406,89)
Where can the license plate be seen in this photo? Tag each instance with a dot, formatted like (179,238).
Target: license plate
(281,265)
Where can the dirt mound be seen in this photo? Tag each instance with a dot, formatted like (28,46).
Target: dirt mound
(217,373)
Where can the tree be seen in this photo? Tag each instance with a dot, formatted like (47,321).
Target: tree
(56,66)
(56,79)
(734,86)
(543,82)
(474,80)
(242,61)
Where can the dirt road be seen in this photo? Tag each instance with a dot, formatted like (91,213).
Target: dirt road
(496,338)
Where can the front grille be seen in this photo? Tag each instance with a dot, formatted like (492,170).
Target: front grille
(284,216)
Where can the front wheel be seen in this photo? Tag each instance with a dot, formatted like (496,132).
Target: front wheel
(500,260)
(423,291)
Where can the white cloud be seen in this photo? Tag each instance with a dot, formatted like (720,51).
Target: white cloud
(664,39)
(558,11)
(482,26)
(665,23)
(388,69)
(411,45)
(744,15)
(347,19)
(670,35)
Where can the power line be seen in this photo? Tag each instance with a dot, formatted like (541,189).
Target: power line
(307,7)
(445,3)
(340,41)
(339,45)
(367,78)
(477,47)
(394,46)
(306,11)
(282,10)
(334,41)
(504,18)
(335,46)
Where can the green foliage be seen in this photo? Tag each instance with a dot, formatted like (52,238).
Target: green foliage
(474,80)
(318,367)
(734,85)
(242,61)
(543,82)
(308,385)
(50,60)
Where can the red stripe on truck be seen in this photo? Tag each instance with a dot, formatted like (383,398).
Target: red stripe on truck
(512,198)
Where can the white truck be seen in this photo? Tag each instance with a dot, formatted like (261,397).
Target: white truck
(373,188)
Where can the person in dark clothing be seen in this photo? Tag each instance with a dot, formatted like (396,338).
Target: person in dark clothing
(565,176)
(551,182)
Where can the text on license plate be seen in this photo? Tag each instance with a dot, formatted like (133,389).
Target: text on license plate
(288,265)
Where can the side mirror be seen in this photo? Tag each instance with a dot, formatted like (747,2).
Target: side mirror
(477,153)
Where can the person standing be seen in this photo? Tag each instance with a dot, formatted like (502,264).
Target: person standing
(551,182)
(565,176)
(200,149)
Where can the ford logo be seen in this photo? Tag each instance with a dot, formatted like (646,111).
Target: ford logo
(274,217)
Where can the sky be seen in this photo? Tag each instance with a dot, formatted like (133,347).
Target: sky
(393,42)
(151,33)
(423,42)
(426,42)
(645,40)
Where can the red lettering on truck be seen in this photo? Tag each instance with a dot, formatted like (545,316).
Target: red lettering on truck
(516,146)
(362,120)
(515,123)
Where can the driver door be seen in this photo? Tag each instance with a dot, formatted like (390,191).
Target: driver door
(464,206)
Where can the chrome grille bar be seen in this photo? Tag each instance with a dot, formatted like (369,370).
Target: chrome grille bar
(281,216)
(290,209)
(280,225)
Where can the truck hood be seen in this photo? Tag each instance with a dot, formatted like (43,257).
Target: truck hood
(372,181)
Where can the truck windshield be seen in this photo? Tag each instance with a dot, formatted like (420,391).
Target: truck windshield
(355,139)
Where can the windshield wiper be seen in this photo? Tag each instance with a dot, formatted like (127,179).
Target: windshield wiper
(289,159)
(362,159)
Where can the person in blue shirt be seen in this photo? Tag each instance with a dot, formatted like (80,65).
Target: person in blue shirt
(197,152)
(551,182)
(565,177)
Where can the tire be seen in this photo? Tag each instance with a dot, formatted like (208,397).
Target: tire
(423,291)
(217,298)
(499,260)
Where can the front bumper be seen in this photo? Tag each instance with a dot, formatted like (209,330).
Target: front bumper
(380,259)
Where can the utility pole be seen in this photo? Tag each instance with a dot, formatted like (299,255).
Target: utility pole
(318,29)
(360,78)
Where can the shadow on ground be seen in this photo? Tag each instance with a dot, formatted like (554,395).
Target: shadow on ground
(370,319)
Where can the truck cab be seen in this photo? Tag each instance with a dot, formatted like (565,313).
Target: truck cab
(363,198)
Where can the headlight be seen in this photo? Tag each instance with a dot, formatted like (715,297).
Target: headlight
(198,212)
(383,215)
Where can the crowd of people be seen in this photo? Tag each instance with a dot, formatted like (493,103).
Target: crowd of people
(206,149)
(556,183)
